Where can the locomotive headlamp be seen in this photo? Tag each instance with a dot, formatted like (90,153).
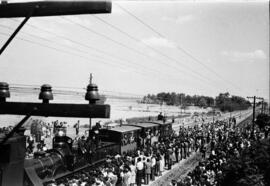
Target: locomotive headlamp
(4,91)
(92,94)
(46,93)
(60,133)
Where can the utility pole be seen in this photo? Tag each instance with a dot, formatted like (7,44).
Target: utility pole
(181,103)
(214,111)
(90,120)
(230,110)
(262,111)
(254,106)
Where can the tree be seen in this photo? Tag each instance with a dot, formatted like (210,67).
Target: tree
(224,101)
(263,120)
(202,102)
(251,168)
(188,100)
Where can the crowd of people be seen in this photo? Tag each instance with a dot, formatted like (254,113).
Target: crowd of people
(227,144)
(39,132)
(222,139)
(147,163)
(6,130)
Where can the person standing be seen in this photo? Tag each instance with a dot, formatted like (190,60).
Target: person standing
(203,151)
(139,167)
(181,150)
(167,157)
(153,167)
(158,159)
(160,116)
(162,164)
(176,151)
(185,150)
(77,127)
(170,161)
(133,173)
(125,177)
(148,166)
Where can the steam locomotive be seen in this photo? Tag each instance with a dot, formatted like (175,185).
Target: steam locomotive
(63,160)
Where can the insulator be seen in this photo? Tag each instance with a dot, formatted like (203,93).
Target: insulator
(4,91)
(46,93)
(92,94)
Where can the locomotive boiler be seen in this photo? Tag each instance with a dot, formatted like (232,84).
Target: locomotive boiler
(50,164)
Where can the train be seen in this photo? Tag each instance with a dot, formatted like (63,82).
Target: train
(65,159)
(68,156)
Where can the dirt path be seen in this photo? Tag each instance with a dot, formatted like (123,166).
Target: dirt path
(178,171)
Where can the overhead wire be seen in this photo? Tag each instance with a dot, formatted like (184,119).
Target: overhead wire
(167,74)
(118,43)
(70,53)
(72,89)
(123,67)
(125,46)
(143,67)
(178,47)
(152,48)
(112,40)
(42,38)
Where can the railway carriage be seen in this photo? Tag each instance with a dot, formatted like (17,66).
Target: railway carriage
(126,136)
(165,129)
(149,133)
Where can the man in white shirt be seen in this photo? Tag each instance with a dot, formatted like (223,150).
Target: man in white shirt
(153,167)
(139,167)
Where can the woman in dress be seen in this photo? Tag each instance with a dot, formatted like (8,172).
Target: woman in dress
(133,173)
(162,163)
(126,174)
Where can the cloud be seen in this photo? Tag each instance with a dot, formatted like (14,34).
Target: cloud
(244,56)
(158,42)
(180,19)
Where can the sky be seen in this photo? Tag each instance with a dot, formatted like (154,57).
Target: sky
(142,47)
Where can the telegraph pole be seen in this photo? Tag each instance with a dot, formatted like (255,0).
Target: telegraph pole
(90,120)
(214,111)
(254,106)
(262,111)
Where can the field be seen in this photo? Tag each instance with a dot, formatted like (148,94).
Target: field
(121,108)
